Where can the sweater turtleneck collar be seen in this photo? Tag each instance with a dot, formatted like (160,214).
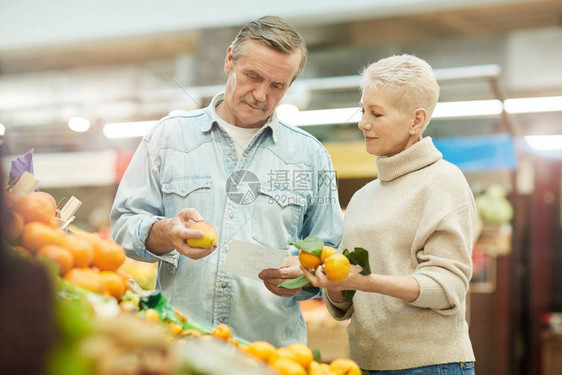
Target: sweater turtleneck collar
(415,157)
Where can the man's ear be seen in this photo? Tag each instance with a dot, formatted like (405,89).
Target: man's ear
(419,120)
(229,61)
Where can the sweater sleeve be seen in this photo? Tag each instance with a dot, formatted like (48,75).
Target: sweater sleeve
(338,310)
(445,265)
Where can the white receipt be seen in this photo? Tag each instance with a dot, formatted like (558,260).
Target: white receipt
(249,259)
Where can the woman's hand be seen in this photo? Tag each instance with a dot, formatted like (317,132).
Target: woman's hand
(353,281)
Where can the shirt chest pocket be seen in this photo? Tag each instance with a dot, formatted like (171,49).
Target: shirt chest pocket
(188,192)
(277,217)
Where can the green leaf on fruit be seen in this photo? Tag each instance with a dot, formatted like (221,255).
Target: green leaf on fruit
(359,257)
(310,244)
(299,282)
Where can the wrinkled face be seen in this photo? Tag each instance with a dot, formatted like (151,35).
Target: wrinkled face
(386,129)
(256,83)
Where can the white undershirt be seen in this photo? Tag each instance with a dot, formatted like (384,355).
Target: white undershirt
(240,136)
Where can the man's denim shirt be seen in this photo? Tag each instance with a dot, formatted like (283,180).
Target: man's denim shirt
(281,188)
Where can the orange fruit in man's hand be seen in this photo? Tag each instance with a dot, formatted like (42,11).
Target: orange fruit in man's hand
(86,278)
(57,254)
(344,366)
(108,255)
(209,238)
(37,206)
(337,267)
(309,261)
(36,235)
(326,252)
(82,250)
(114,285)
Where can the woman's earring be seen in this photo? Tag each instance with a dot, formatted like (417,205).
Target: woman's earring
(413,132)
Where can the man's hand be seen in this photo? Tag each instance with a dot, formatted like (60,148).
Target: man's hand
(289,270)
(168,234)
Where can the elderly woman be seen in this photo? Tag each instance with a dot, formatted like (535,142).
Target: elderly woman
(416,221)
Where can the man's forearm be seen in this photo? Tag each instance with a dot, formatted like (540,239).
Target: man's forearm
(158,241)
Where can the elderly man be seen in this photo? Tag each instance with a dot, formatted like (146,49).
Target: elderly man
(254,178)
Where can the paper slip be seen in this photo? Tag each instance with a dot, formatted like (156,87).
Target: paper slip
(249,259)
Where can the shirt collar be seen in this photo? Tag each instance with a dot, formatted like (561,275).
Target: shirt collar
(272,122)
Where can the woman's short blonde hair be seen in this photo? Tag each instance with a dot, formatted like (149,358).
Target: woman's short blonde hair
(411,79)
(275,33)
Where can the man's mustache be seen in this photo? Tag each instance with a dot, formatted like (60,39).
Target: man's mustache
(255,103)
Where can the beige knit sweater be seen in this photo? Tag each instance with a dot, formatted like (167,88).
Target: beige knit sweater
(415,219)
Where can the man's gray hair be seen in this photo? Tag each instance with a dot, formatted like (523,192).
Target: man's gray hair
(275,33)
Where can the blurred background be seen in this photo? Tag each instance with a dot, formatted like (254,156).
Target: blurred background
(80,82)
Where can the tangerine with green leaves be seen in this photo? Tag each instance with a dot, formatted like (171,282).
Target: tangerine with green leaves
(337,267)
(309,261)
(326,252)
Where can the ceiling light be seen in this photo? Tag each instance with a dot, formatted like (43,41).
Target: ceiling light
(2,129)
(544,142)
(79,124)
(471,108)
(533,105)
(127,129)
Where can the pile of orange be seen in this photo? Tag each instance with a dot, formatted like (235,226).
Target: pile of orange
(336,266)
(83,258)
(298,359)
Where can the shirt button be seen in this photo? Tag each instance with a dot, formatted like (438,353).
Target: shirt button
(221,319)
(223,285)
(230,216)
(245,154)
(230,153)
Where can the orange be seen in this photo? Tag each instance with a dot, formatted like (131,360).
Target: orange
(10,200)
(319,369)
(303,353)
(222,331)
(308,260)
(13,228)
(36,235)
(209,238)
(337,267)
(287,367)
(113,284)
(261,350)
(57,254)
(37,206)
(344,366)
(326,252)
(151,315)
(86,278)
(108,255)
(175,328)
(82,250)
(282,353)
